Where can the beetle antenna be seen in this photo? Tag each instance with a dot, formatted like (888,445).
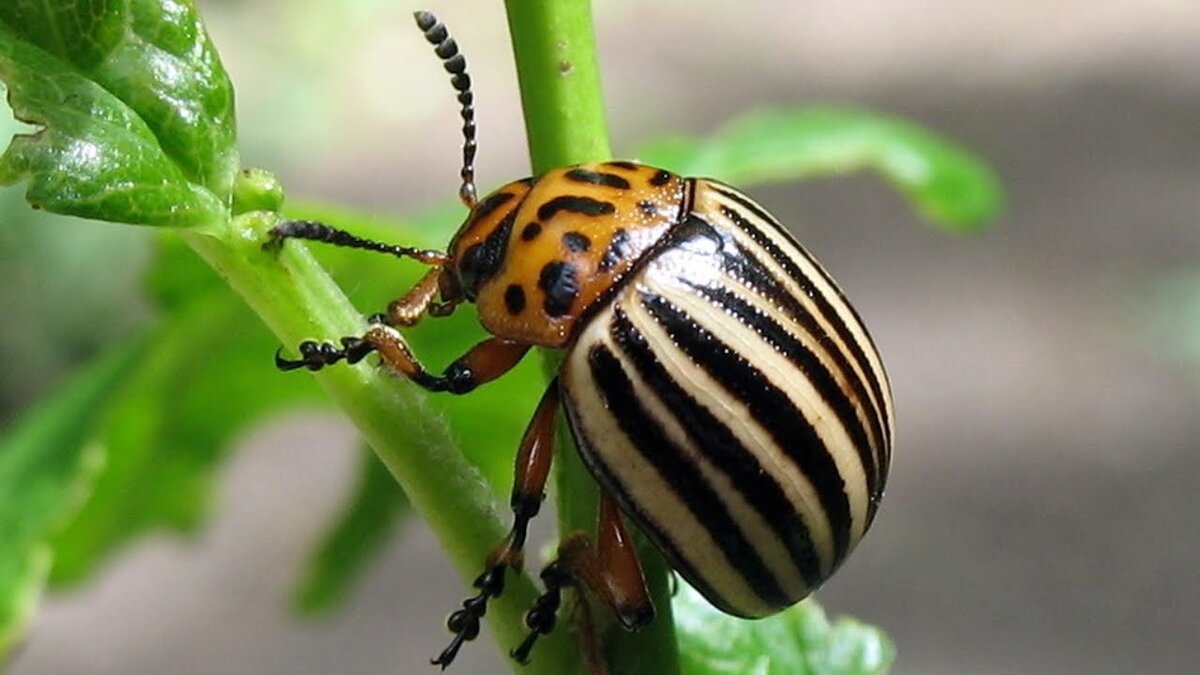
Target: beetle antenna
(454,63)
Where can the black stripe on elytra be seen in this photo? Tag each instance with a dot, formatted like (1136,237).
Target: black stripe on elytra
(575,204)
(824,304)
(677,471)
(720,446)
(765,217)
(648,523)
(769,405)
(785,344)
(746,268)
(490,203)
(611,180)
(877,402)
(481,261)
(660,178)
(700,237)
(628,166)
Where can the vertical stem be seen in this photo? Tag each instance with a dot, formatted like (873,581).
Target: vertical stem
(555,51)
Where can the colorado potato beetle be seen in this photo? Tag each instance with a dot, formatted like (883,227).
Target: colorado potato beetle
(720,389)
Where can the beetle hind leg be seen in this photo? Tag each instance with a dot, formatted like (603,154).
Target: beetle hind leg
(529,485)
(610,569)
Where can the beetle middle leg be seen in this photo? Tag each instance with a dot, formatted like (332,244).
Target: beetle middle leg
(610,569)
(529,489)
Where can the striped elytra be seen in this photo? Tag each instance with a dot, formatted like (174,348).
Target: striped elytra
(720,389)
(733,404)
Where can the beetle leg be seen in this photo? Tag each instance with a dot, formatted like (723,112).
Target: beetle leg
(610,570)
(408,309)
(483,363)
(529,486)
(418,302)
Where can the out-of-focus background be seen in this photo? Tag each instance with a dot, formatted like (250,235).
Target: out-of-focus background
(1042,513)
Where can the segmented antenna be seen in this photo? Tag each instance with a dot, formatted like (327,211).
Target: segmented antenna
(456,65)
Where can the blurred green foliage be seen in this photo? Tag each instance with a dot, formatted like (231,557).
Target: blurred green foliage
(141,131)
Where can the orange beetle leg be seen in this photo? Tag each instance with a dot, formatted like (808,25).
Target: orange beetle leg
(409,308)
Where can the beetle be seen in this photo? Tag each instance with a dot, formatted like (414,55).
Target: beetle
(720,389)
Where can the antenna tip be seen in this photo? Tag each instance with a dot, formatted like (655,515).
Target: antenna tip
(425,20)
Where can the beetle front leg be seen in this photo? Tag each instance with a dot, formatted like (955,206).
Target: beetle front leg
(483,363)
(529,489)
(418,302)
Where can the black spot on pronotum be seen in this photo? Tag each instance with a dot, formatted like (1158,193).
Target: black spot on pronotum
(661,178)
(514,299)
(618,249)
(575,204)
(576,242)
(628,166)
(647,207)
(531,231)
(560,282)
(598,178)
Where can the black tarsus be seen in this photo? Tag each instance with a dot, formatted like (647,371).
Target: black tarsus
(542,617)
(455,64)
(317,355)
(464,623)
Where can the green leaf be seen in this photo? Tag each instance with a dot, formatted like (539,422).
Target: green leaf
(946,183)
(135,111)
(47,462)
(50,262)
(797,641)
(358,535)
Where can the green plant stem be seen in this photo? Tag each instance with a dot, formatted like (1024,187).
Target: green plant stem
(297,299)
(555,51)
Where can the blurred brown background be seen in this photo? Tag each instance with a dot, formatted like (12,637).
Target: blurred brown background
(1042,515)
